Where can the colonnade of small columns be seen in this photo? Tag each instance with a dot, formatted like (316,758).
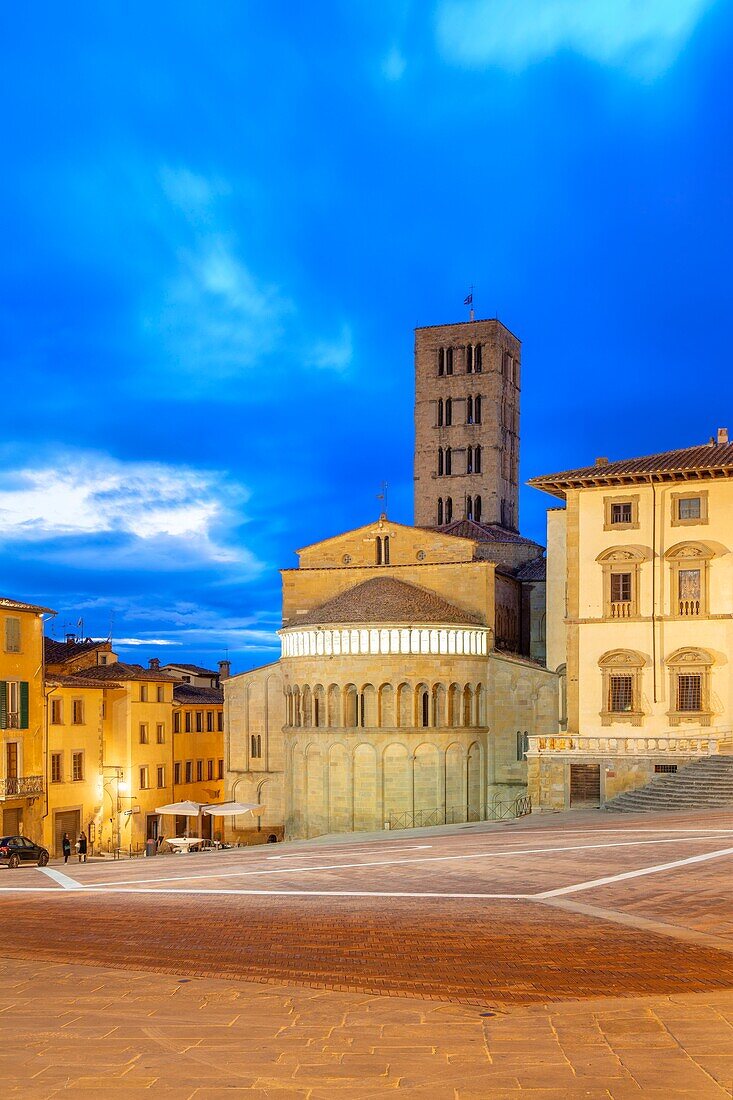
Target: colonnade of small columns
(408,706)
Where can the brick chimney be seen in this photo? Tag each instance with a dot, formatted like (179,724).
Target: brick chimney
(154,663)
(225,670)
(722,435)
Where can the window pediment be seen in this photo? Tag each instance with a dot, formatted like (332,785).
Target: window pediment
(623,554)
(689,551)
(690,657)
(622,658)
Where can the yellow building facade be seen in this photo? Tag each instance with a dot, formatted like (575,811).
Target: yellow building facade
(391,705)
(22,722)
(640,621)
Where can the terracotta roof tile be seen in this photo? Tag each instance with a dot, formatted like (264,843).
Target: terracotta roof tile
(190,693)
(120,671)
(6,604)
(708,459)
(58,652)
(483,532)
(197,669)
(535,570)
(385,600)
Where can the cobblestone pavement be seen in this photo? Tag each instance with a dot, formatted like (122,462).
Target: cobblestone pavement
(85,1031)
(602,951)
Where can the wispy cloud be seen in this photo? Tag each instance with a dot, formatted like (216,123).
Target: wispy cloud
(393,65)
(643,36)
(216,316)
(333,354)
(96,511)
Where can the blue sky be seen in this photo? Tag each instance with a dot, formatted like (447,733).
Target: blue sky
(221,222)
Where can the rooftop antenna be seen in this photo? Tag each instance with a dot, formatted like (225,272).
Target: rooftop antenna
(383,496)
(111,624)
(468,301)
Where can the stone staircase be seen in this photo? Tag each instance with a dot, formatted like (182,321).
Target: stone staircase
(705,784)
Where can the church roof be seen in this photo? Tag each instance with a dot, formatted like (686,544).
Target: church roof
(385,600)
(535,570)
(708,460)
(483,532)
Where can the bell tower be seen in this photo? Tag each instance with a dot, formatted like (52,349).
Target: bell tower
(467,379)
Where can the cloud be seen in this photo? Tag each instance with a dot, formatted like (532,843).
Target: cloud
(393,65)
(141,641)
(644,36)
(94,511)
(333,354)
(214,315)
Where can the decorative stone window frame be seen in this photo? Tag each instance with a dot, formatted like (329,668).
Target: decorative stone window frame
(621,559)
(690,494)
(686,661)
(627,498)
(685,555)
(622,662)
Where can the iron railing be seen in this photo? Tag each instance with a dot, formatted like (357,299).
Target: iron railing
(455,815)
(21,786)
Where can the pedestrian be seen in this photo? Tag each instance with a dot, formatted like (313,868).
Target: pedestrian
(82,847)
(66,847)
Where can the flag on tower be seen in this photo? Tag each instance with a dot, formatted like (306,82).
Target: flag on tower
(468,300)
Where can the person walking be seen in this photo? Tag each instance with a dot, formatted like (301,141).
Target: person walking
(82,847)
(66,847)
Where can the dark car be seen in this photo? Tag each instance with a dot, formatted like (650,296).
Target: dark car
(15,850)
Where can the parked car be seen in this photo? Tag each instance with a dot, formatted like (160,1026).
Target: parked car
(15,850)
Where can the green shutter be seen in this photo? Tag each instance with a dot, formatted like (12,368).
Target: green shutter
(3,705)
(24,704)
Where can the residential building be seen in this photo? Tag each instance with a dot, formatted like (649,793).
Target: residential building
(22,725)
(640,621)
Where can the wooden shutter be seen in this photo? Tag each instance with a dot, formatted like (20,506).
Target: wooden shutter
(3,705)
(24,704)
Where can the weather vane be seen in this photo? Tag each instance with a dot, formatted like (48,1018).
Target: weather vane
(383,496)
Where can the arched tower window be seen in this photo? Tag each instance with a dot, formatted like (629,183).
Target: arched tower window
(379,550)
(469,358)
(449,360)
(440,412)
(440,461)
(477,508)
(441,362)
(477,460)
(424,709)
(469,508)
(448,509)
(469,460)
(448,460)
(477,409)
(440,511)
(469,409)
(477,359)
(449,411)
(385,554)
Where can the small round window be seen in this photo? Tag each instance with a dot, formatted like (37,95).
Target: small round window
(421,555)
(346,559)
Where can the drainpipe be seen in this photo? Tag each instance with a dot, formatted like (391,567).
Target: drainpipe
(654,586)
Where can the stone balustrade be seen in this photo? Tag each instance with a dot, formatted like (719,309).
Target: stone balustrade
(370,641)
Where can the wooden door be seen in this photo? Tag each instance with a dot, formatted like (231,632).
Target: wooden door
(585,784)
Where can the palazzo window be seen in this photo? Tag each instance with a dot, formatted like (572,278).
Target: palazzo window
(690,694)
(621,513)
(689,509)
(689,579)
(621,671)
(621,578)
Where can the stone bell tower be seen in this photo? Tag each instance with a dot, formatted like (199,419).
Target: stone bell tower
(467,379)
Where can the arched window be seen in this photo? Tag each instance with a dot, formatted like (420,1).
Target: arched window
(386,550)
(449,360)
(477,409)
(469,460)
(622,678)
(477,359)
(440,461)
(469,410)
(469,508)
(351,708)
(469,358)
(448,461)
(440,412)
(259,744)
(689,695)
(440,511)
(441,362)
(477,509)
(449,411)
(379,549)
(448,509)
(477,460)
(424,709)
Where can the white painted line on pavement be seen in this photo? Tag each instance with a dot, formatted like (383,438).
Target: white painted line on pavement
(62,879)
(593,883)
(498,854)
(349,852)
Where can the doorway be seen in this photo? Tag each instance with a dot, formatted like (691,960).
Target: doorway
(11,822)
(65,821)
(585,784)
